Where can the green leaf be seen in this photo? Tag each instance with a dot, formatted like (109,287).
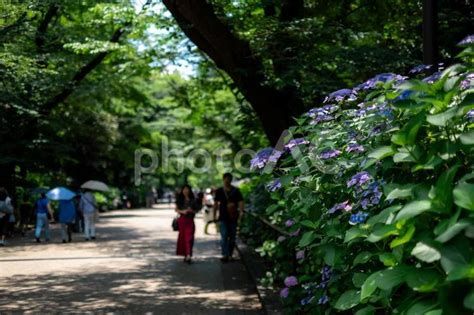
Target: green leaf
(386,216)
(347,300)
(307,239)
(423,280)
(358,279)
(407,135)
(462,272)
(455,255)
(353,233)
(405,238)
(383,279)
(454,230)
(309,224)
(464,196)
(425,252)
(442,119)
(388,259)
(442,197)
(401,192)
(431,164)
(421,307)
(469,301)
(434,312)
(368,310)
(362,258)
(381,232)
(413,209)
(381,153)
(467,138)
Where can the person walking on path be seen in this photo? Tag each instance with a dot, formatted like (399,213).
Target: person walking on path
(42,209)
(88,206)
(229,201)
(186,207)
(6,209)
(67,215)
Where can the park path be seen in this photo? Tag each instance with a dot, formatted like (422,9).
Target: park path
(130,269)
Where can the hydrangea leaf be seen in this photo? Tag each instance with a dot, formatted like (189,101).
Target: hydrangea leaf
(347,300)
(425,252)
(413,209)
(464,196)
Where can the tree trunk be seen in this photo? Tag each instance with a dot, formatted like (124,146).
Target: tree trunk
(430,32)
(274,107)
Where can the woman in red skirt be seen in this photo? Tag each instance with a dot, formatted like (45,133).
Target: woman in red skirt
(186,207)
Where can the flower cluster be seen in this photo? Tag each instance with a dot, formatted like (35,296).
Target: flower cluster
(470,115)
(379,78)
(468,40)
(295,142)
(341,95)
(274,186)
(300,254)
(467,82)
(322,114)
(265,156)
(354,147)
(433,78)
(359,179)
(420,69)
(345,206)
(329,154)
(357,218)
(371,196)
(290,281)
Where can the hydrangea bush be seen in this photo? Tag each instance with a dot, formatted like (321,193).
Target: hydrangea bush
(376,192)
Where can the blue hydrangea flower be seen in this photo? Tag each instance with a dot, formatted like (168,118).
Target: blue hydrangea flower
(341,95)
(323,300)
(468,40)
(345,206)
(359,179)
(379,78)
(274,186)
(405,95)
(467,82)
(329,154)
(420,69)
(433,78)
(371,196)
(377,129)
(357,218)
(470,115)
(354,147)
(326,273)
(307,300)
(261,159)
(295,142)
(275,156)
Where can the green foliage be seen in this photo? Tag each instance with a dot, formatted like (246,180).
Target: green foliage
(382,199)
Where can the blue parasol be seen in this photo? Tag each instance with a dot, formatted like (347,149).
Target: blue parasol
(60,193)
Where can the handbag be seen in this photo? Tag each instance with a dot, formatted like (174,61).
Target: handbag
(232,211)
(175,224)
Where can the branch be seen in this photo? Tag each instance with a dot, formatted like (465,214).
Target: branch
(79,76)
(43,27)
(20,20)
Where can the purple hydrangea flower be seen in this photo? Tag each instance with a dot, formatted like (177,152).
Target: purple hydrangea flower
(345,206)
(323,300)
(274,186)
(359,179)
(289,222)
(295,233)
(377,129)
(291,281)
(468,40)
(307,300)
(357,218)
(341,95)
(284,292)
(468,79)
(261,159)
(371,196)
(470,115)
(300,254)
(382,78)
(326,273)
(281,239)
(275,156)
(329,154)
(295,142)
(420,69)
(354,147)
(433,78)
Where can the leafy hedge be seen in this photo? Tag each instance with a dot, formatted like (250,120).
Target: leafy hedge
(376,192)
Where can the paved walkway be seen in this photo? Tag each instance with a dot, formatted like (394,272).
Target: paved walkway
(130,269)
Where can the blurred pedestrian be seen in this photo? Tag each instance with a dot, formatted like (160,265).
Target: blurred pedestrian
(230,203)
(6,209)
(186,207)
(150,198)
(43,208)
(89,209)
(67,215)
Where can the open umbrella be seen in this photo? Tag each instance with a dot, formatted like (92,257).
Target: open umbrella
(95,185)
(60,193)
